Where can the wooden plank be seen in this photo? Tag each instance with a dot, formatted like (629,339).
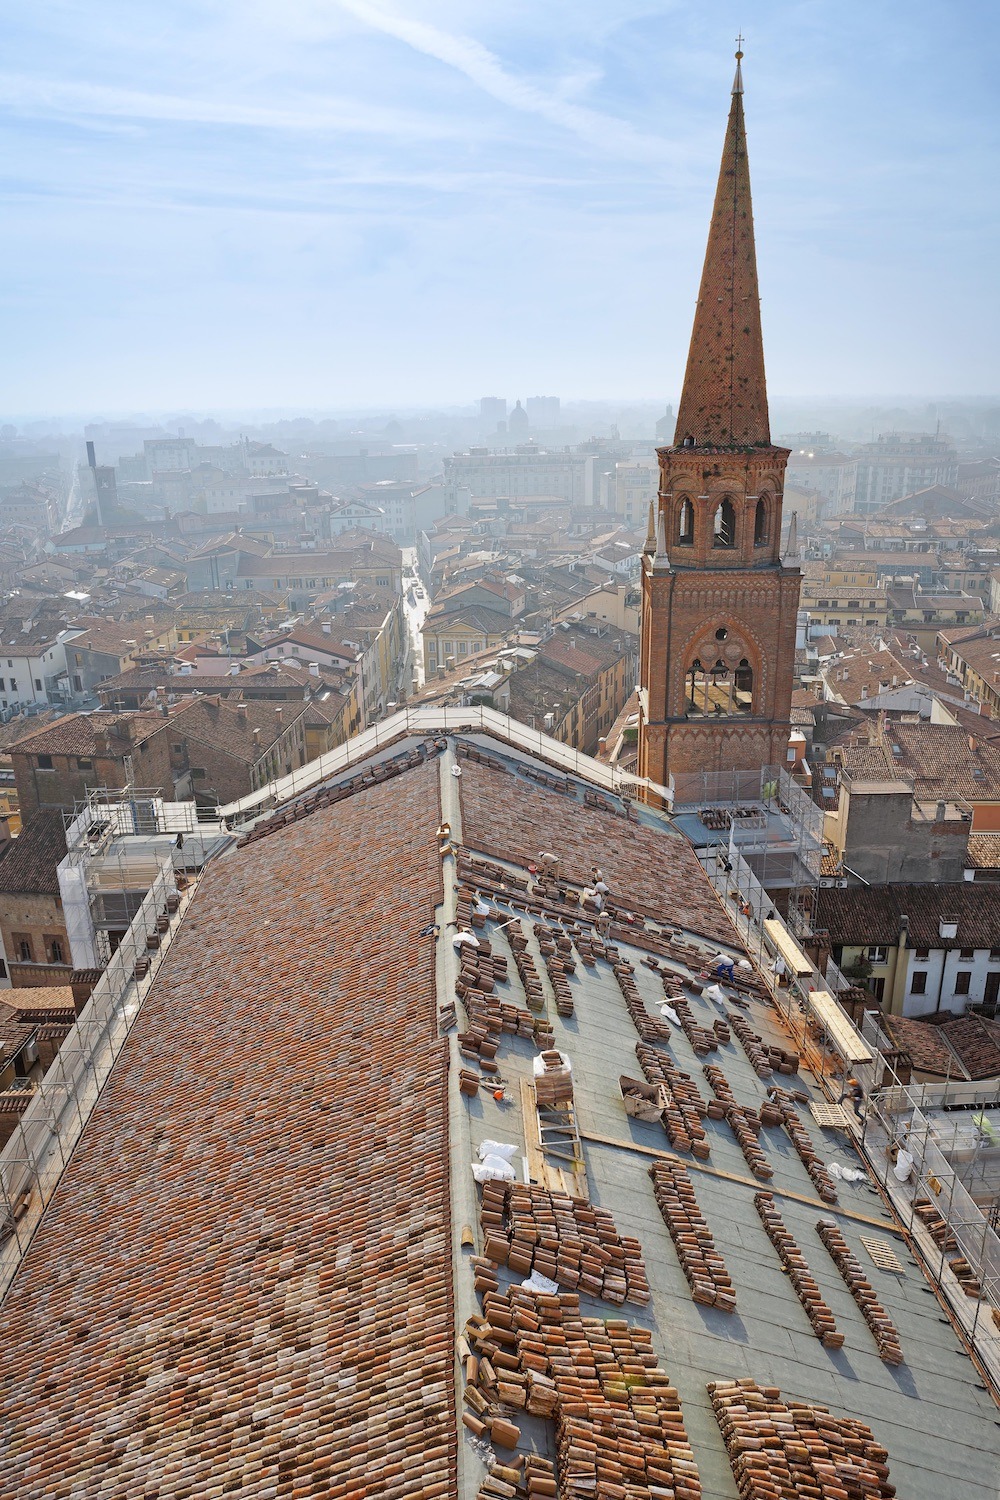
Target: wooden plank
(693,1165)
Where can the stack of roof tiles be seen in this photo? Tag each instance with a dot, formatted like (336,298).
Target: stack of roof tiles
(802,1141)
(860,1288)
(779,1449)
(765,1057)
(619,1428)
(243,1283)
(799,1275)
(650,1028)
(684,1108)
(701,1262)
(742,1121)
(566,1239)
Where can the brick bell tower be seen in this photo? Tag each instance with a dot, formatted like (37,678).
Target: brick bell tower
(718,604)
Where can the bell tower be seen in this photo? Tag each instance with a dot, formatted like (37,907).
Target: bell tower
(718,603)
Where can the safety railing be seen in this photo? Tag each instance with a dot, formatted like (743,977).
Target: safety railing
(441,719)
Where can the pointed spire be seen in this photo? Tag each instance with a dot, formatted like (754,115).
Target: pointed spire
(650,544)
(661,562)
(724,402)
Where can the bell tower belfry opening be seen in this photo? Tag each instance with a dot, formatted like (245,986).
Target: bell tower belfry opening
(718,602)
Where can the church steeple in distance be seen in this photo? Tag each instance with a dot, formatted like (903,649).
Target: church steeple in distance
(724,401)
(719,599)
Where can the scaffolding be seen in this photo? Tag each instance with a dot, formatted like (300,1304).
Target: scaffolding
(33,1160)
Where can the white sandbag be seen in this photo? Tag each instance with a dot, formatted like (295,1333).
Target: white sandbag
(902,1166)
(493,1169)
(497,1148)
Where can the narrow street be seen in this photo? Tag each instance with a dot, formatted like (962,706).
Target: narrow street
(415,607)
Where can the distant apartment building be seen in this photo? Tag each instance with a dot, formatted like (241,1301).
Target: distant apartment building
(637,482)
(526,470)
(897,464)
(971,656)
(832,476)
(31,505)
(492,410)
(839,596)
(543,411)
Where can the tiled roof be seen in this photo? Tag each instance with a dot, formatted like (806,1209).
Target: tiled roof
(29,865)
(654,871)
(943,761)
(925,1043)
(230,727)
(983,852)
(99,733)
(581,651)
(870,915)
(243,1284)
(976,1043)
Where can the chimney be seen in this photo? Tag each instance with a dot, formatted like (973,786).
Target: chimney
(256,736)
(939,813)
(314,669)
(279,713)
(241,712)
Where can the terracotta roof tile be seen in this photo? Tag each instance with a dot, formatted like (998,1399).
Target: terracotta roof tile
(29,865)
(243,1283)
(648,870)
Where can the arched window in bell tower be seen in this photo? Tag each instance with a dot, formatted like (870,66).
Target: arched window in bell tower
(760,526)
(724,532)
(685,524)
(743,684)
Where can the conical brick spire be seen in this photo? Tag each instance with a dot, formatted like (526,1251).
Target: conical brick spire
(724,402)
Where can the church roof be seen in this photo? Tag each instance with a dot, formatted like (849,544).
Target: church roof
(724,401)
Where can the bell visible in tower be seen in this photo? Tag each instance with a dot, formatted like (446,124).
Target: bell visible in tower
(718,603)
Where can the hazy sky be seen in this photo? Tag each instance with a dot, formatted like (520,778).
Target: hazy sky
(315,203)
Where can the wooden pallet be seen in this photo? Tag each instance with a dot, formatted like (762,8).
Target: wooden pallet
(830,1116)
(883,1255)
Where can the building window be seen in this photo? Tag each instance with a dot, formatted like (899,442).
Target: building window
(44,762)
(83,763)
(921,954)
(760,524)
(685,524)
(24,951)
(963,981)
(966,952)
(877,955)
(38,684)
(55,951)
(918,984)
(724,526)
(877,987)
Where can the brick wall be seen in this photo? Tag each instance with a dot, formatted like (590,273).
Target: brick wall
(39,921)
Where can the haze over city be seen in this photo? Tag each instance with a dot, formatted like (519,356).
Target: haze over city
(499,751)
(239,206)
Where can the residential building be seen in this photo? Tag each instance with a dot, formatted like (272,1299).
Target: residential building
(920,949)
(898,464)
(577,684)
(841,595)
(463,632)
(636,483)
(924,613)
(219,751)
(99,649)
(32,921)
(971,657)
(56,766)
(832,476)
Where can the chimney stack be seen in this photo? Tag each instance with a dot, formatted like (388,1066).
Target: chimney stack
(241,712)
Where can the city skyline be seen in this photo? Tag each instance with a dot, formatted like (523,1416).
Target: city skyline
(356,206)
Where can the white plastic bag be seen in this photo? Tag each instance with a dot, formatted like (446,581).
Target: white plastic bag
(493,1169)
(902,1166)
(536,1282)
(497,1148)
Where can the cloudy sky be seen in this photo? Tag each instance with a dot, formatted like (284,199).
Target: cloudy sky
(337,203)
